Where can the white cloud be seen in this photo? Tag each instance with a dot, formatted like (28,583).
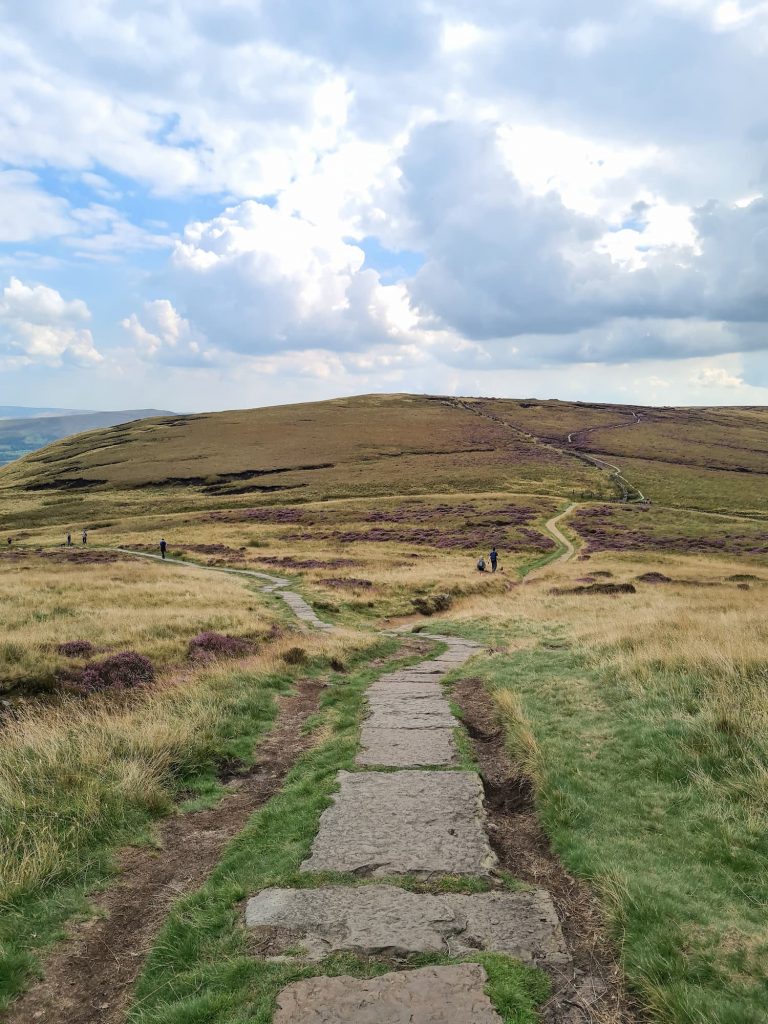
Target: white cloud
(27,211)
(716,377)
(38,325)
(259,279)
(162,332)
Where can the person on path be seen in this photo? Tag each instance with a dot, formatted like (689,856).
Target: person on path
(85,536)
(163,546)
(69,539)
(494,557)
(481,564)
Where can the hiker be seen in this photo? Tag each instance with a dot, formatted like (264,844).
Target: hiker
(69,539)
(481,564)
(85,536)
(494,557)
(163,546)
(10,540)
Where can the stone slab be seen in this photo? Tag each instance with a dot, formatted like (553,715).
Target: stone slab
(421,715)
(430,995)
(382,920)
(410,822)
(386,693)
(407,748)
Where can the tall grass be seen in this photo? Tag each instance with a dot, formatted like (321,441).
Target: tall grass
(82,778)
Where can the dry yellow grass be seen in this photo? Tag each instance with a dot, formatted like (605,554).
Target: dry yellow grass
(77,770)
(118,605)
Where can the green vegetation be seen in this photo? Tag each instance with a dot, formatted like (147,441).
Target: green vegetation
(650,780)
(85,778)
(201,969)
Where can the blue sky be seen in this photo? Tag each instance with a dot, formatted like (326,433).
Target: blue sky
(205,206)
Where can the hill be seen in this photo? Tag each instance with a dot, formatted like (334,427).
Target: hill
(613,714)
(30,429)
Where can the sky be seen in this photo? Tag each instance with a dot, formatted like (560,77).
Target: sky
(233,204)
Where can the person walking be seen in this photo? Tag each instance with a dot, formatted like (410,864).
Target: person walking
(69,539)
(163,547)
(85,536)
(494,557)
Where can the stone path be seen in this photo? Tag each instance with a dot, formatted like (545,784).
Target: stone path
(275,585)
(416,822)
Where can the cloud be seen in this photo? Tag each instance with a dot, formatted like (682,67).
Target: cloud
(38,325)
(259,279)
(162,333)
(27,212)
(716,377)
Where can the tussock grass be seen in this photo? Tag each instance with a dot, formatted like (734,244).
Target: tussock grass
(641,721)
(117,605)
(521,741)
(82,778)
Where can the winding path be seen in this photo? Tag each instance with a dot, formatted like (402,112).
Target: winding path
(568,550)
(275,585)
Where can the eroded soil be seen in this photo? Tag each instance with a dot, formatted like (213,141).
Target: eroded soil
(89,978)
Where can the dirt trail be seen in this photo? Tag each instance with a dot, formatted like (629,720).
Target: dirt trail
(628,491)
(89,979)
(554,531)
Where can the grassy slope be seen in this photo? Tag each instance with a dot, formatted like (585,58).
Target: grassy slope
(708,458)
(649,758)
(391,444)
(386,476)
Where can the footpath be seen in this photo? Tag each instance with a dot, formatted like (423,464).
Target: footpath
(409,810)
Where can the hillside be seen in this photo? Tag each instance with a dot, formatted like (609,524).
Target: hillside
(707,459)
(25,433)
(198,717)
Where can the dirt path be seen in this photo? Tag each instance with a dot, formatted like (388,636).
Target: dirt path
(628,491)
(274,584)
(568,550)
(89,979)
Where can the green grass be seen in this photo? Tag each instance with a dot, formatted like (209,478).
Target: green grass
(200,969)
(86,816)
(648,800)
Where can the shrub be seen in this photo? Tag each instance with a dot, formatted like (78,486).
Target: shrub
(218,645)
(125,671)
(430,605)
(295,656)
(77,649)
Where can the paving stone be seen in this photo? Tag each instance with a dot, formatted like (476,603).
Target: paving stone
(302,610)
(407,748)
(430,995)
(382,920)
(398,690)
(422,714)
(410,822)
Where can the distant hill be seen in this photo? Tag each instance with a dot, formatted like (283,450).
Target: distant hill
(703,458)
(18,412)
(35,428)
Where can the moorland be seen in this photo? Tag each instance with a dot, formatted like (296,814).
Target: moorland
(628,680)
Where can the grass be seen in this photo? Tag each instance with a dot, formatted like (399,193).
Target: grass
(707,458)
(641,719)
(51,597)
(642,723)
(82,779)
(201,968)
